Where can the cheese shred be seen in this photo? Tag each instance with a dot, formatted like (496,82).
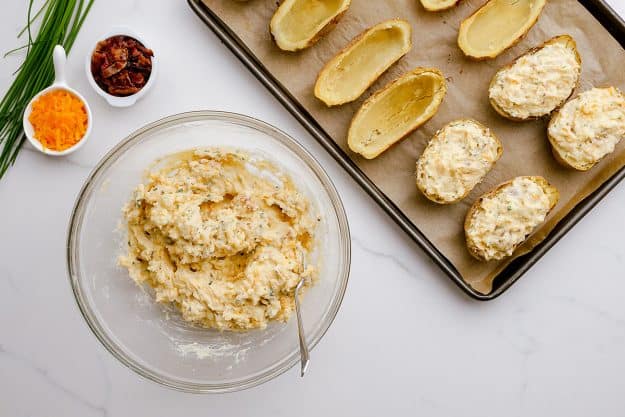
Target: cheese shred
(59,120)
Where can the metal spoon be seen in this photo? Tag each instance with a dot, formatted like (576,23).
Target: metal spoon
(303,347)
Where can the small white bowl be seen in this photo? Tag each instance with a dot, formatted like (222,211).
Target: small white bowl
(59,58)
(128,100)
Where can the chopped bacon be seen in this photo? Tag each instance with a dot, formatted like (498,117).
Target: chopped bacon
(113,69)
(121,65)
(137,78)
(119,54)
(124,91)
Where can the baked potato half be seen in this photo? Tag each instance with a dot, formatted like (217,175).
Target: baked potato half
(496,26)
(499,221)
(396,110)
(298,24)
(456,159)
(350,72)
(538,82)
(438,5)
(587,128)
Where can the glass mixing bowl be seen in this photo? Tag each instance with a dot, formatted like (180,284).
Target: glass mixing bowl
(151,338)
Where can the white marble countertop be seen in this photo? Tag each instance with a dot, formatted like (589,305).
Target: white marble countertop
(406,341)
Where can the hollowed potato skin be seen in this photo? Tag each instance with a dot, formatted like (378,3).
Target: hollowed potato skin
(504,23)
(285,7)
(402,44)
(438,5)
(375,102)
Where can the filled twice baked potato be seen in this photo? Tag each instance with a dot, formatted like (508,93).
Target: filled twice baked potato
(500,220)
(538,82)
(456,159)
(587,128)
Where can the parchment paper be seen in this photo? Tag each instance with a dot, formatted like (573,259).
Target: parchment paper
(526,149)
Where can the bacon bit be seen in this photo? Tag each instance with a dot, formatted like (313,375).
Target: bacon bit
(59,120)
(121,65)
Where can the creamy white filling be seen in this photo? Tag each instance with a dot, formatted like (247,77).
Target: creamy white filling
(536,83)
(221,242)
(506,218)
(588,127)
(456,160)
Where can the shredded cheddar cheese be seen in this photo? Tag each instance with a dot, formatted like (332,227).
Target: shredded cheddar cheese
(59,120)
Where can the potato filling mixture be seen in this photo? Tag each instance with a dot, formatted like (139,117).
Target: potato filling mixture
(537,83)
(589,127)
(222,237)
(507,217)
(456,160)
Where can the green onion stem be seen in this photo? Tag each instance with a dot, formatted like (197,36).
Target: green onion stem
(31,21)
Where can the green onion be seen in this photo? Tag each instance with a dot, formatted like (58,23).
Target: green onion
(60,22)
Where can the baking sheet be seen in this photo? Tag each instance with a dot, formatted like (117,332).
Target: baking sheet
(526,150)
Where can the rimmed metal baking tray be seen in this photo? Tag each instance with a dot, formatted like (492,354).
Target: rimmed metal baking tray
(613,23)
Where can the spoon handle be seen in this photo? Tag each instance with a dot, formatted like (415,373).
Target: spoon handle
(59,58)
(303,347)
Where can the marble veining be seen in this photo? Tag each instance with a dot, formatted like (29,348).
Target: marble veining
(380,255)
(45,376)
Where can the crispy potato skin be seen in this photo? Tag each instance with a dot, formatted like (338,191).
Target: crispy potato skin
(430,7)
(465,48)
(570,42)
(373,98)
(437,199)
(310,42)
(551,191)
(329,65)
